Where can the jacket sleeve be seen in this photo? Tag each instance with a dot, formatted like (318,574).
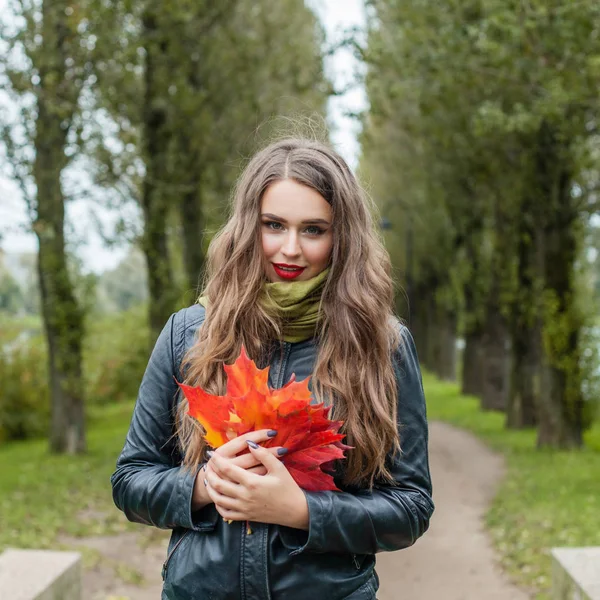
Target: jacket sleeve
(149,485)
(389,517)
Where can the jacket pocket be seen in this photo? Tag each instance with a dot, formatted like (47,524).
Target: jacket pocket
(172,552)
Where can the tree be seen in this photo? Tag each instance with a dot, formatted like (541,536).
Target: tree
(209,74)
(497,103)
(47,67)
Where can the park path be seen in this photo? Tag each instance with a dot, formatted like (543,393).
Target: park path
(453,561)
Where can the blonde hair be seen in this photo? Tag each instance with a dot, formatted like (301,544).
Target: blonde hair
(357,337)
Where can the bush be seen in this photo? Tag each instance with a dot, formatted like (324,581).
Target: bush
(115,355)
(24,394)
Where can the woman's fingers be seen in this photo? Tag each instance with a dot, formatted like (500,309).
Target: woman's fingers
(260,470)
(221,500)
(238,444)
(247,461)
(223,486)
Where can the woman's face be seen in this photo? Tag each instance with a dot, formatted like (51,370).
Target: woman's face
(296,229)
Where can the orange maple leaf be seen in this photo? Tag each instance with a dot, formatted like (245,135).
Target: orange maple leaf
(312,439)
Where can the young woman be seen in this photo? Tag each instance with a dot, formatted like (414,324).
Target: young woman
(298,276)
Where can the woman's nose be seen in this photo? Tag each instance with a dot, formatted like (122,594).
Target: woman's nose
(291,246)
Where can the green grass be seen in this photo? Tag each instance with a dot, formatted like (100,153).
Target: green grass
(548,498)
(43,495)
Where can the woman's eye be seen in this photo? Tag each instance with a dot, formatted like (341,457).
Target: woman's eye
(273,225)
(310,230)
(314,230)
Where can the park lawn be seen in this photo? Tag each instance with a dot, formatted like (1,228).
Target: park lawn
(548,498)
(43,496)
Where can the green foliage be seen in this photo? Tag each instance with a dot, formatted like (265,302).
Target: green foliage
(189,89)
(24,397)
(11,297)
(547,499)
(115,355)
(123,287)
(481,129)
(44,495)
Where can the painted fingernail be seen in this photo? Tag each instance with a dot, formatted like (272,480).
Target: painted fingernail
(205,483)
(272,433)
(204,467)
(210,453)
(252,444)
(282,451)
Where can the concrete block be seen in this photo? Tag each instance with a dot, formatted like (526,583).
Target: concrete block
(576,573)
(40,575)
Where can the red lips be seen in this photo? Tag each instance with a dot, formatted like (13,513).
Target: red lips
(288,271)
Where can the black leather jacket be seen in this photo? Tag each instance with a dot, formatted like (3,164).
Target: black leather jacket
(209,558)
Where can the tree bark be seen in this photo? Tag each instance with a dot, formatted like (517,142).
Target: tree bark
(496,364)
(472,371)
(63,318)
(418,321)
(430,332)
(472,359)
(526,384)
(561,403)
(193,232)
(526,320)
(495,342)
(445,366)
(156,189)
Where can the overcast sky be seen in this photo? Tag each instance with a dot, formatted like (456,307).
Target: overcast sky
(337,15)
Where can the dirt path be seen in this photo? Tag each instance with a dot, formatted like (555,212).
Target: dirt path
(454,560)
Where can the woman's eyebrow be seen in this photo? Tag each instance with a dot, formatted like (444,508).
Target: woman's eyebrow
(307,222)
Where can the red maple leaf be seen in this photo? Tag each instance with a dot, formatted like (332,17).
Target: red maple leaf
(312,439)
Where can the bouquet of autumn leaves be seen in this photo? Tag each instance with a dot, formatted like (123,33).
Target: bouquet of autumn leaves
(311,438)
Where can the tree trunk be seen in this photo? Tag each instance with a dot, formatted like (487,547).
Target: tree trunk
(430,331)
(560,422)
(496,364)
(156,189)
(63,318)
(561,402)
(472,359)
(525,381)
(472,371)
(526,321)
(560,408)
(193,231)
(445,366)
(418,322)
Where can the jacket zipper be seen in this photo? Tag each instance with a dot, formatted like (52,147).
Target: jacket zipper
(356,564)
(165,564)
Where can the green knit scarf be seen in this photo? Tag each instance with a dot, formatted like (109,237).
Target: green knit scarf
(296,302)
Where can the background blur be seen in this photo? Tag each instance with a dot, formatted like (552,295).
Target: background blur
(474,127)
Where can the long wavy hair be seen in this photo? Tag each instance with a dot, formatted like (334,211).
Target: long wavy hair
(357,334)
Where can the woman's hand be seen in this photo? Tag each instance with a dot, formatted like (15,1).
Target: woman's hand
(240,495)
(230,450)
